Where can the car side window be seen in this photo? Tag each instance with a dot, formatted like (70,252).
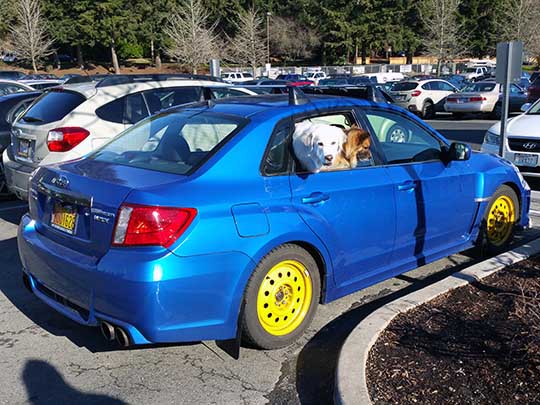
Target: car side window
(113,111)
(224,93)
(445,86)
(429,86)
(514,89)
(135,109)
(401,139)
(276,158)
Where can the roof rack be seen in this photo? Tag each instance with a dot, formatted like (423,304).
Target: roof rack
(297,96)
(113,80)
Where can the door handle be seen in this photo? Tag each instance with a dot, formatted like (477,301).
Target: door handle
(315,198)
(406,186)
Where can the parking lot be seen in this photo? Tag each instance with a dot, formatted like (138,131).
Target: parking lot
(47,358)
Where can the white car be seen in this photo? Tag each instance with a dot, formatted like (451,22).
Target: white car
(236,77)
(11,86)
(42,84)
(522,140)
(316,76)
(472,73)
(73,120)
(423,97)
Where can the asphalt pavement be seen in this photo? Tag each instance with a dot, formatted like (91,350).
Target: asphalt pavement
(46,358)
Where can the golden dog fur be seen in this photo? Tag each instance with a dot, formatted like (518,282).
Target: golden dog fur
(355,147)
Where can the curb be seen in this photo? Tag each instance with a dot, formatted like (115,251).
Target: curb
(351,384)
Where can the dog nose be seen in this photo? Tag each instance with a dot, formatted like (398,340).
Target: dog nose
(328,158)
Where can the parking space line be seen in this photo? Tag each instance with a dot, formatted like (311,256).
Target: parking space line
(15,207)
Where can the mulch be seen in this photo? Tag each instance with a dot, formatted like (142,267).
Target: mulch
(478,344)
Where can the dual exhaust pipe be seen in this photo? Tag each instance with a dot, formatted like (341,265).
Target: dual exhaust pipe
(111,332)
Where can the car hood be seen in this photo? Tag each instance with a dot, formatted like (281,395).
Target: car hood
(524,125)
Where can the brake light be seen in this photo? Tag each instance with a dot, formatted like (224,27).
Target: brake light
(475,99)
(66,138)
(416,93)
(141,225)
(451,100)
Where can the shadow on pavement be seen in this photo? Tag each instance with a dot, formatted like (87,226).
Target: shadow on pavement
(12,214)
(45,385)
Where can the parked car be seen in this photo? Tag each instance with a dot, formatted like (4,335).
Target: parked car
(68,76)
(523,140)
(265,82)
(316,76)
(199,223)
(11,75)
(70,121)
(533,92)
(40,76)
(9,57)
(11,86)
(42,84)
(366,91)
(295,80)
(424,97)
(385,77)
(236,77)
(11,106)
(457,81)
(484,97)
(333,82)
(475,72)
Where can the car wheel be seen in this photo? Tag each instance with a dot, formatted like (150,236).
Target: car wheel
(497,112)
(281,298)
(500,219)
(427,110)
(397,134)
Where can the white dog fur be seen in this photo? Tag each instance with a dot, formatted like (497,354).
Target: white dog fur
(317,145)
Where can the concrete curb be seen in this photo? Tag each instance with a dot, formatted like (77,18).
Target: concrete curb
(351,385)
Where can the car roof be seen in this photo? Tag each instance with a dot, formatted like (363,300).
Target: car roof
(20,95)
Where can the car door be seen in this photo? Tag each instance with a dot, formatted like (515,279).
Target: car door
(351,211)
(518,97)
(434,198)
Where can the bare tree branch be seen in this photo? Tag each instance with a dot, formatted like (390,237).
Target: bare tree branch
(290,40)
(193,40)
(29,36)
(248,47)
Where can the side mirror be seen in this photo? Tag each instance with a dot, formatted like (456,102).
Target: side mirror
(459,151)
(525,107)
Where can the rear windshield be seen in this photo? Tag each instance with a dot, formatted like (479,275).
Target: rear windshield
(52,106)
(479,87)
(404,86)
(175,142)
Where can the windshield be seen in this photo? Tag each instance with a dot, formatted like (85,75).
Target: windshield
(535,109)
(404,86)
(470,70)
(52,106)
(174,142)
(479,87)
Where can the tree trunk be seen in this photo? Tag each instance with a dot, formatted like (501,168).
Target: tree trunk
(363,53)
(34,64)
(152,56)
(114,58)
(409,57)
(439,61)
(57,61)
(80,60)
(158,61)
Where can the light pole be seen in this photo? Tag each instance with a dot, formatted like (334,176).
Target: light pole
(268,14)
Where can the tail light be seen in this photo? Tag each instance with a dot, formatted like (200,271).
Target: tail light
(451,100)
(141,225)
(416,93)
(475,99)
(66,138)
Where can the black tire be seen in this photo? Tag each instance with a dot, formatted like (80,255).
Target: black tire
(253,332)
(458,115)
(484,239)
(427,110)
(397,134)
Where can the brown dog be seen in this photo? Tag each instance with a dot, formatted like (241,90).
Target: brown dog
(355,147)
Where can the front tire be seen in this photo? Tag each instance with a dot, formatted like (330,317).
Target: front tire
(281,298)
(500,219)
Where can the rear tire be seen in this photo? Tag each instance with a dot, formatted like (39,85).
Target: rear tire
(427,110)
(281,298)
(500,218)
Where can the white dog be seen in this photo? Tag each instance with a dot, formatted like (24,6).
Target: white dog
(317,145)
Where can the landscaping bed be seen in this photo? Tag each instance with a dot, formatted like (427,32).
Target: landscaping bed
(478,344)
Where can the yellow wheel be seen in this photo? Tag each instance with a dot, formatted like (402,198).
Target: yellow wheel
(500,219)
(281,298)
(284,297)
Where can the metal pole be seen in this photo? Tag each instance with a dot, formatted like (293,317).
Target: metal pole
(505,99)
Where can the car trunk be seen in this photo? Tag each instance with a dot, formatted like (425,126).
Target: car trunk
(462,98)
(75,204)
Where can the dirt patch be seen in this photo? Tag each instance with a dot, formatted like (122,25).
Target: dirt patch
(470,346)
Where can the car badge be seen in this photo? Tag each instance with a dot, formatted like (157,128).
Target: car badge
(529,145)
(60,181)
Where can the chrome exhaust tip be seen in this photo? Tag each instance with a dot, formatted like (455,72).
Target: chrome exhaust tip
(107,330)
(122,337)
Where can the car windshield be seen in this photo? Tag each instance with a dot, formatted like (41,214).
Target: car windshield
(404,86)
(535,109)
(470,70)
(479,87)
(173,142)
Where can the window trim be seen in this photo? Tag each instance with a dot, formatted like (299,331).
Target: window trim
(284,121)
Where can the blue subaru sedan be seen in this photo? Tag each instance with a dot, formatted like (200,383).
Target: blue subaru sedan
(200,223)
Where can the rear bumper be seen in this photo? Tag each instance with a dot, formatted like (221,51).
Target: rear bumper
(17,175)
(467,107)
(154,294)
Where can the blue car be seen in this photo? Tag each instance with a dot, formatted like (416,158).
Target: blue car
(199,223)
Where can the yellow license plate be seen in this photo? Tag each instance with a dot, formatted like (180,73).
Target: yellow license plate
(64,219)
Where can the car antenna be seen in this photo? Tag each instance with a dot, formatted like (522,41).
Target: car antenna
(296,96)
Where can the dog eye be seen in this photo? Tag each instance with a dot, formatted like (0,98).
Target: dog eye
(333,143)
(320,144)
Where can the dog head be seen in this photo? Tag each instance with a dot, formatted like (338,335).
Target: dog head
(317,145)
(357,146)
